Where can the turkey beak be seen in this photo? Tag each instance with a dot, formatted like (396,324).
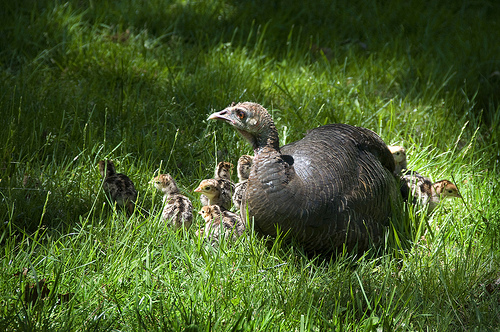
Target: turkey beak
(224,115)
(198,189)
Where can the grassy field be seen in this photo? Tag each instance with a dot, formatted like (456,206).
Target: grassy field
(134,81)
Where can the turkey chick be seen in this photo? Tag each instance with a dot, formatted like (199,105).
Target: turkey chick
(223,170)
(118,187)
(222,174)
(399,154)
(244,164)
(177,208)
(420,190)
(218,220)
(215,194)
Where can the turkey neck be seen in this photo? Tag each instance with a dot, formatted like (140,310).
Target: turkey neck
(273,170)
(266,137)
(269,178)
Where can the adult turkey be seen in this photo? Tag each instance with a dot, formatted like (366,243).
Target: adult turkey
(333,188)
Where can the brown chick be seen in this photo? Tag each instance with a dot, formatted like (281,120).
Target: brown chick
(244,164)
(223,170)
(399,154)
(177,208)
(421,190)
(216,195)
(217,221)
(222,174)
(118,187)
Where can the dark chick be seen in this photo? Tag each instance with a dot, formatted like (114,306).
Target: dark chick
(118,187)
(223,170)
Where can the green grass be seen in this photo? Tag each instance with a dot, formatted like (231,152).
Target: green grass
(135,82)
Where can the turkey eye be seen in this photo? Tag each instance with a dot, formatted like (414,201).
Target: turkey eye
(207,188)
(449,191)
(240,114)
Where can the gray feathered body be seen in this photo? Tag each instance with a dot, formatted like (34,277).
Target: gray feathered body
(333,187)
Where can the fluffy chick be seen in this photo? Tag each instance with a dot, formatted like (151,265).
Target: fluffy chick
(223,170)
(244,164)
(118,187)
(221,222)
(399,154)
(215,194)
(421,190)
(177,208)
(222,175)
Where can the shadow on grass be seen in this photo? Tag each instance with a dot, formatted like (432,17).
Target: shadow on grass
(435,38)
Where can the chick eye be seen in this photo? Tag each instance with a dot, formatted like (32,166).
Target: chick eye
(449,191)
(207,188)
(240,114)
